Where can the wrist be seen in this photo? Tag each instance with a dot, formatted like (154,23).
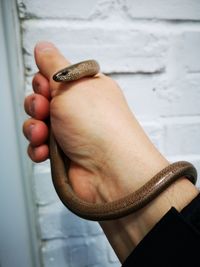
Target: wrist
(124,234)
(134,161)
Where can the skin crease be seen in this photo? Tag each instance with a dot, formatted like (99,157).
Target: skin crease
(110,153)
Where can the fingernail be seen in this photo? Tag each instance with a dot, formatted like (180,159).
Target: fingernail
(30,130)
(44,46)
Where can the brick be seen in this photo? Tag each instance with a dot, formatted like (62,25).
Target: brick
(56,221)
(44,190)
(182,136)
(170,10)
(28,85)
(93,229)
(191,52)
(118,49)
(76,252)
(82,10)
(179,96)
(66,252)
(55,253)
(93,9)
(140,94)
(157,96)
(79,256)
(98,251)
(155,132)
(183,53)
(112,258)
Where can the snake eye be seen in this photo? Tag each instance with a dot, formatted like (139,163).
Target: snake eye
(65,72)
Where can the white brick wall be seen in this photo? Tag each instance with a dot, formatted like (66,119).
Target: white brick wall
(152,48)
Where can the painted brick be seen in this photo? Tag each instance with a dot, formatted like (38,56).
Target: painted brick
(191,44)
(153,96)
(112,258)
(28,85)
(55,253)
(93,9)
(58,222)
(98,250)
(170,10)
(155,131)
(82,10)
(184,54)
(116,48)
(93,228)
(79,256)
(44,190)
(141,95)
(179,96)
(182,135)
(77,252)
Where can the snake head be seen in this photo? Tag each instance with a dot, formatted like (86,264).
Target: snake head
(61,75)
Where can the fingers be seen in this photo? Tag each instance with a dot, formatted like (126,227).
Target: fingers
(40,85)
(37,106)
(35,129)
(38,154)
(49,60)
(37,133)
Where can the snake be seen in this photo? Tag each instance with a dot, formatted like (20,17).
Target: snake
(124,206)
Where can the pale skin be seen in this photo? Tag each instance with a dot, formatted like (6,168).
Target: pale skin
(111,156)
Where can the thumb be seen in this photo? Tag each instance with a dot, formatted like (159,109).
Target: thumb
(49,60)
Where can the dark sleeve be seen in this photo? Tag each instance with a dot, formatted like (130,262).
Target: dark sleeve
(174,240)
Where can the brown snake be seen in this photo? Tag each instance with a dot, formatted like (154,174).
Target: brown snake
(124,206)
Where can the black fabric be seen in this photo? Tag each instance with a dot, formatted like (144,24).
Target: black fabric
(174,240)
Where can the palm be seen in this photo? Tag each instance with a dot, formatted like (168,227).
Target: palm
(85,121)
(83,183)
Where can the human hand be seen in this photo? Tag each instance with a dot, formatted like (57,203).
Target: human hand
(92,123)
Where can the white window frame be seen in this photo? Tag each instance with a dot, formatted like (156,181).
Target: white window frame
(19,244)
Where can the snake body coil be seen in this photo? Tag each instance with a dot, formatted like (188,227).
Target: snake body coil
(124,206)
